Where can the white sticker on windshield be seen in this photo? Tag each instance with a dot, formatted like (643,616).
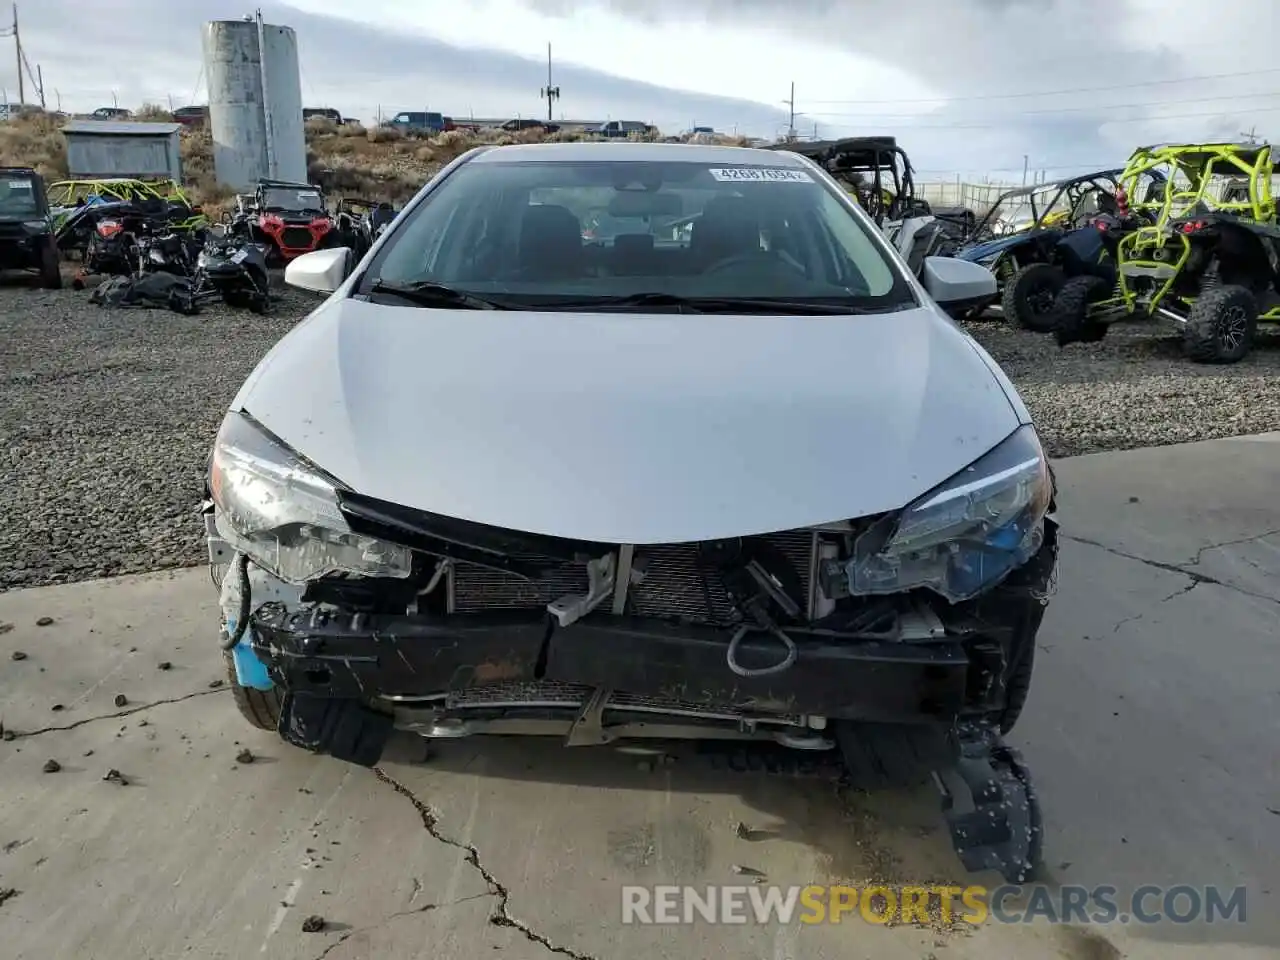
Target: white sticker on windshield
(760,174)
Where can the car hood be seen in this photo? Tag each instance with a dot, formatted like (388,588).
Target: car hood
(632,428)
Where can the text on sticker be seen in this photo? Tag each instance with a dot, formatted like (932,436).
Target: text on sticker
(761,174)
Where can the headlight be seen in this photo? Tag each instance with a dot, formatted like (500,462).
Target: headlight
(964,536)
(283,512)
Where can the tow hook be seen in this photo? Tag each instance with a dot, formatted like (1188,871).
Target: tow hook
(998,824)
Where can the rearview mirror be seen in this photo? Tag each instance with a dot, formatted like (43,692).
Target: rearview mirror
(951,281)
(636,203)
(321,271)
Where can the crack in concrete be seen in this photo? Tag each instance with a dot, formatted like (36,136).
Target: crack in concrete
(502,916)
(1195,576)
(1229,543)
(425,908)
(23,735)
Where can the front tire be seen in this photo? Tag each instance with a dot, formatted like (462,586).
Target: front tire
(1070,319)
(50,266)
(1029,298)
(887,756)
(1221,325)
(261,708)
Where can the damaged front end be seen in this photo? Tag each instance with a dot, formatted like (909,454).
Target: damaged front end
(370,617)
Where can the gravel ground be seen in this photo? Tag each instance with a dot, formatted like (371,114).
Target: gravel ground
(106,417)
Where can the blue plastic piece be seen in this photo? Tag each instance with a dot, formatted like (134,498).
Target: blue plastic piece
(250,671)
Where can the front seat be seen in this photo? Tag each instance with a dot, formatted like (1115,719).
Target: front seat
(728,227)
(550,245)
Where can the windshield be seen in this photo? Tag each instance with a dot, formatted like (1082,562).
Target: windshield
(291,198)
(538,232)
(18,197)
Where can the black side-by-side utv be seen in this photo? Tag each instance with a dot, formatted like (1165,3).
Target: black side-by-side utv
(27,239)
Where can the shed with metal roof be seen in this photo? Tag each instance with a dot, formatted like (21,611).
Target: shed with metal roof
(122,148)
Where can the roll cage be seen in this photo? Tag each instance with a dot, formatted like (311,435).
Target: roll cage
(876,168)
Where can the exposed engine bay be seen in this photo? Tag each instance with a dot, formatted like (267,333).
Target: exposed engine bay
(492,631)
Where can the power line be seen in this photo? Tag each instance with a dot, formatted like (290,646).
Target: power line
(1053,93)
(1051,110)
(1109,120)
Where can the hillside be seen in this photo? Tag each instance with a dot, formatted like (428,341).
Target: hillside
(375,163)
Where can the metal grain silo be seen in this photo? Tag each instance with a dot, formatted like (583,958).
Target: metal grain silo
(255,102)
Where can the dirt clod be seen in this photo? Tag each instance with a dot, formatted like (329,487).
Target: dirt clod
(215,684)
(116,777)
(313,924)
(44,622)
(5,627)
(121,700)
(742,831)
(8,735)
(17,655)
(8,893)
(245,756)
(51,766)
(57,708)
(164,665)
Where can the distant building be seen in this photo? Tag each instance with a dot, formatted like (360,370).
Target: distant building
(120,148)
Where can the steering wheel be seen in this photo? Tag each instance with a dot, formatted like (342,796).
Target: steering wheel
(743,260)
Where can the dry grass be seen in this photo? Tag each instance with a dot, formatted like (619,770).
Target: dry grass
(345,159)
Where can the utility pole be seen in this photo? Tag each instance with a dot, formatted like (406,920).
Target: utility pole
(1252,135)
(791,123)
(1025,163)
(17,47)
(40,84)
(550,93)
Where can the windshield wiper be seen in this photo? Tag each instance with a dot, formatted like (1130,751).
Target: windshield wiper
(716,304)
(427,293)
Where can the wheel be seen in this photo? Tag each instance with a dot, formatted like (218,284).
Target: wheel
(1221,325)
(1029,297)
(50,266)
(260,707)
(882,756)
(1070,318)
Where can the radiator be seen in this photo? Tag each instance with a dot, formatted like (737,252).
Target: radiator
(675,585)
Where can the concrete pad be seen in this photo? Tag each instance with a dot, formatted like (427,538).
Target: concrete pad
(1151,730)
(1169,504)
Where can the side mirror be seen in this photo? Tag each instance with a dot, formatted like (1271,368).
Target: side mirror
(952,281)
(321,271)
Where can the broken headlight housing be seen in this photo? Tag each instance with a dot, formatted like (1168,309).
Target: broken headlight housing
(965,535)
(282,511)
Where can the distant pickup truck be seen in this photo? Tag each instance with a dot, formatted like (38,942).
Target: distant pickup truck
(191,116)
(418,121)
(622,128)
(527,123)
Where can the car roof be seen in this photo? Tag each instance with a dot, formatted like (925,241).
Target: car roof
(637,153)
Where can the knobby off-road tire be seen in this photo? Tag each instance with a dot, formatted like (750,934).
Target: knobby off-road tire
(260,707)
(50,266)
(1070,318)
(1029,297)
(1221,325)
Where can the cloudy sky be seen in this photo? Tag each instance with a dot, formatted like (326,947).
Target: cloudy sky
(969,87)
